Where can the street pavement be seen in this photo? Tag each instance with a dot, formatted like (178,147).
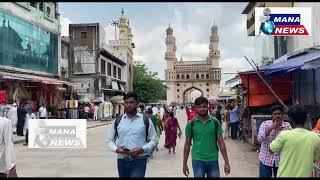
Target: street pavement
(97,161)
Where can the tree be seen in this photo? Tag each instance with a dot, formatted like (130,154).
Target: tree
(146,84)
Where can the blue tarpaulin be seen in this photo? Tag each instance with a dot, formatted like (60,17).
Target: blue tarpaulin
(291,64)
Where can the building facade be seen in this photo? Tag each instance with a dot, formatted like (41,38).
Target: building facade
(31,43)
(30,54)
(183,76)
(65,57)
(94,69)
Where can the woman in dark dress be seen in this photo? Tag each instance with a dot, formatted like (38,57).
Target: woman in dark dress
(171,129)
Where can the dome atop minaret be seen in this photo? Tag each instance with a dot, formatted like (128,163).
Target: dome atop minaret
(123,19)
(214,27)
(169,30)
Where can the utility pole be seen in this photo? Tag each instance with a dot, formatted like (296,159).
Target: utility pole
(115,24)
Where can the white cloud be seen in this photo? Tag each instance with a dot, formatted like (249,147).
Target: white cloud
(64,22)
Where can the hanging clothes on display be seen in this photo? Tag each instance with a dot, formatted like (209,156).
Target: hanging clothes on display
(108,109)
(101,110)
(3,96)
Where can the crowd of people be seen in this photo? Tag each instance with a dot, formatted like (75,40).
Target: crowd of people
(20,114)
(288,149)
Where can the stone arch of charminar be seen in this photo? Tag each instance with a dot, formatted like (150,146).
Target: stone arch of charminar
(181,75)
(187,93)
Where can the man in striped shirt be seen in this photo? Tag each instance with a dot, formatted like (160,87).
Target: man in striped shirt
(268,131)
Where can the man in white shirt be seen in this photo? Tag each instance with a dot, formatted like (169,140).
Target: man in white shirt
(43,112)
(13,116)
(7,152)
(161,112)
(155,110)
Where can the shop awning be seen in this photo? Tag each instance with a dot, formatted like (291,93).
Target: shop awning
(27,77)
(291,64)
(260,95)
(315,63)
(302,61)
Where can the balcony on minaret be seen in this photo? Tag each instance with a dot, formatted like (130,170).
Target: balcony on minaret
(169,55)
(170,40)
(214,54)
(214,38)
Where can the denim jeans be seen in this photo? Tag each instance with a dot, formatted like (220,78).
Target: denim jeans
(203,168)
(234,129)
(266,171)
(132,167)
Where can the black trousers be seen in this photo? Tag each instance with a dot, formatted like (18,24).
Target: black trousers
(20,125)
(27,138)
(234,130)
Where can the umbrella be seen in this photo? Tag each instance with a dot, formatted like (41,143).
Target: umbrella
(84,100)
(98,100)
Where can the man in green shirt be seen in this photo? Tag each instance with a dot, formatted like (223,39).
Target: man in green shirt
(299,147)
(205,152)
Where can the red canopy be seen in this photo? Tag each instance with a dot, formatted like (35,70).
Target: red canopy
(260,95)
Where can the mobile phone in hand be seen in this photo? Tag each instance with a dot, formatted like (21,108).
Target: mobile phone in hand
(126,149)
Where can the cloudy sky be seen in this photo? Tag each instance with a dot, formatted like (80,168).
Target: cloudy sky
(191,23)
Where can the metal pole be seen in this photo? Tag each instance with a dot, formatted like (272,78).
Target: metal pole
(255,68)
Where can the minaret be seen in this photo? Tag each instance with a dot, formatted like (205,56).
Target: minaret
(170,55)
(214,53)
(123,27)
(124,47)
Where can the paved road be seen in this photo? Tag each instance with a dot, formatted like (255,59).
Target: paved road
(97,161)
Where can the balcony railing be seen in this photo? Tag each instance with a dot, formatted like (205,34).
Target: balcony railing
(250,22)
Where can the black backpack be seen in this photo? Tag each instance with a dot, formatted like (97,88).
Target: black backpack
(117,122)
(216,124)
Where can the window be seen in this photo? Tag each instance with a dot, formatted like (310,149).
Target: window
(103,67)
(178,77)
(207,84)
(207,76)
(197,76)
(81,85)
(178,90)
(33,4)
(207,90)
(83,34)
(103,81)
(114,71)
(188,76)
(178,84)
(89,85)
(109,69)
(48,11)
(202,76)
(41,6)
(182,76)
(119,73)
(178,96)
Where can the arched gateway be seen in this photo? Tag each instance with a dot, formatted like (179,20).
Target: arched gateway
(182,76)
